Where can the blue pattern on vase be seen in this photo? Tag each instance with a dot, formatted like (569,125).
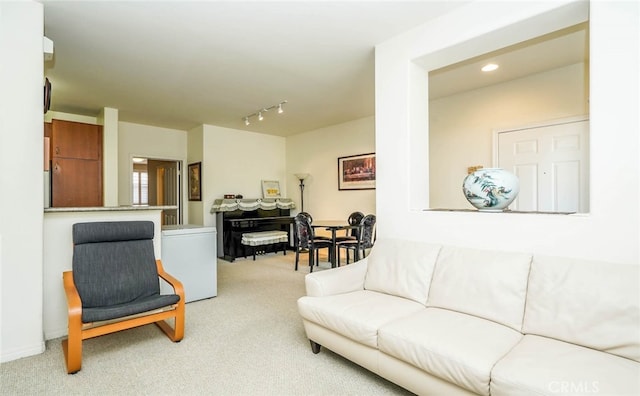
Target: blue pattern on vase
(490,188)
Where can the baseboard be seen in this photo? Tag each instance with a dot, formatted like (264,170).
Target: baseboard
(55,333)
(19,353)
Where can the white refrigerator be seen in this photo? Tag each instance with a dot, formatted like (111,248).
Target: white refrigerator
(189,254)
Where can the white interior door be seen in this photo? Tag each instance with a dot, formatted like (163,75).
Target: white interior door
(552,163)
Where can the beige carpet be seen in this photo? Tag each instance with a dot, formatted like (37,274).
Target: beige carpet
(247,341)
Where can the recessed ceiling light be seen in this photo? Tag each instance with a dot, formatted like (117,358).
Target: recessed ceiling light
(489,67)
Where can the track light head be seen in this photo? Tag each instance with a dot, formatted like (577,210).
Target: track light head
(259,114)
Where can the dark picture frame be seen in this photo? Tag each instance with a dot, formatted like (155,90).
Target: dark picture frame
(357,172)
(47,95)
(195,181)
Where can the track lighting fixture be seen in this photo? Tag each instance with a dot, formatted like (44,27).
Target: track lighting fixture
(260,113)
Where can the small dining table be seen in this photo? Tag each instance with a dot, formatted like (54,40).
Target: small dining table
(333,226)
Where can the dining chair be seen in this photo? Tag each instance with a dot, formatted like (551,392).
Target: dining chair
(310,218)
(366,239)
(304,238)
(352,234)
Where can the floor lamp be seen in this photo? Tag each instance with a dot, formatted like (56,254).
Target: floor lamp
(301,177)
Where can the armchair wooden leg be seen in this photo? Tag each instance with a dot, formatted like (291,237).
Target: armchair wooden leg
(72,349)
(175,333)
(179,323)
(72,346)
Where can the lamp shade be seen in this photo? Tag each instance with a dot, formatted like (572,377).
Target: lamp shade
(301,176)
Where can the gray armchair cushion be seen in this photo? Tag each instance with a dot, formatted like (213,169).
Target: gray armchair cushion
(131,308)
(114,269)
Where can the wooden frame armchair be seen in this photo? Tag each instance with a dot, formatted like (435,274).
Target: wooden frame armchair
(115,285)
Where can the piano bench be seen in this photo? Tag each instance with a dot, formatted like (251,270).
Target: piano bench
(263,238)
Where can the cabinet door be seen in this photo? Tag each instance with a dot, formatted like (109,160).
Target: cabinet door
(76,140)
(76,182)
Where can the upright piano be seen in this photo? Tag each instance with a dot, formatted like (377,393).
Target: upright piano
(236,217)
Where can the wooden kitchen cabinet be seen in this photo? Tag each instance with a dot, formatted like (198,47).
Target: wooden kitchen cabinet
(76,164)
(76,140)
(76,182)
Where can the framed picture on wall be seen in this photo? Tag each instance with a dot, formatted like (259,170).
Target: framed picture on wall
(195,181)
(270,189)
(357,172)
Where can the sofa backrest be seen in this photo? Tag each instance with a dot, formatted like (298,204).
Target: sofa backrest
(483,283)
(594,304)
(401,268)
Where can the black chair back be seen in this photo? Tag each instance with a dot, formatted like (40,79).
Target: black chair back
(308,216)
(354,219)
(305,238)
(367,231)
(303,232)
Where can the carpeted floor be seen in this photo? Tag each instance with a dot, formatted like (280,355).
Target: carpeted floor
(247,341)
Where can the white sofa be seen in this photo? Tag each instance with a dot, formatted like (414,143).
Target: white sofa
(442,320)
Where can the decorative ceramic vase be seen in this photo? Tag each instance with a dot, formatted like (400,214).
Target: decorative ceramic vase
(491,189)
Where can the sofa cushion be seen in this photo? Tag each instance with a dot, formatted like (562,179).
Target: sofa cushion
(588,303)
(487,284)
(356,315)
(401,268)
(544,366)
(453,346)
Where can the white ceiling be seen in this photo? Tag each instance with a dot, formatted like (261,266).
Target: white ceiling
(557,49)
(178,64)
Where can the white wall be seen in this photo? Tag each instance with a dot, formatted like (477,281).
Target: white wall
(611,230)
(21,194)
(195,154)
(108,118)
(235,162)
(51,115)
(316,152)
(137,140)
(461,126)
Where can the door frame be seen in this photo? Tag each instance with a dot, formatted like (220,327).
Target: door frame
(181,180)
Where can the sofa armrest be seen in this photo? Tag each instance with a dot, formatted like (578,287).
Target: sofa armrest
(337,280)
